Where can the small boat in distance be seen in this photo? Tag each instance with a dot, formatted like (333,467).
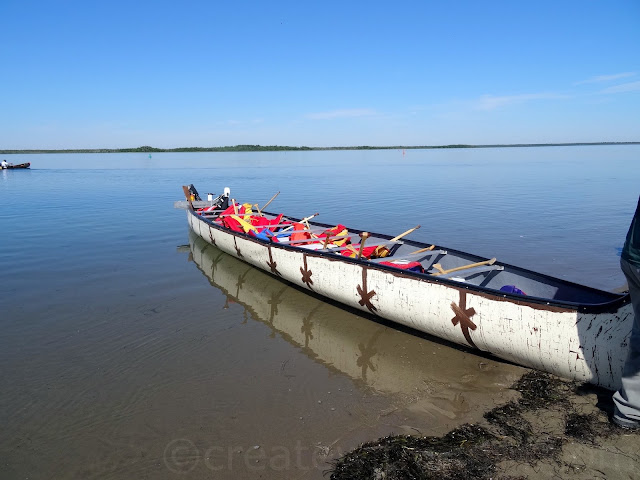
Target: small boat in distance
(19,165)
(529,318)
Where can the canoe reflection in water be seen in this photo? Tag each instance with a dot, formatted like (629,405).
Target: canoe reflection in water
(383,358)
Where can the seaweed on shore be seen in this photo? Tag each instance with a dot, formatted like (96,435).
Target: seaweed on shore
(457,455)
(539,390)
(588,428)
(474,451)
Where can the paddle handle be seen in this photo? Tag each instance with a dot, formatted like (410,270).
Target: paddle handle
(267,204)
(306,219)
(363,238)
(423,249)
(405,233)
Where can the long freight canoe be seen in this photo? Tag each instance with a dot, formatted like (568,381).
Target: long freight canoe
(529,318)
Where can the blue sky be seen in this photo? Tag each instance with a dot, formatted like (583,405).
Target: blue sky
(113,74)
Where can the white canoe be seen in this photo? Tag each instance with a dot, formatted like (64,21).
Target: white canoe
(560,327)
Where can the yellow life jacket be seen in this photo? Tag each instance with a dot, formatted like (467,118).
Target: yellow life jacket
(244,224)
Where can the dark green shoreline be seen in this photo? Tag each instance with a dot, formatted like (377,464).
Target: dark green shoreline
(277,148)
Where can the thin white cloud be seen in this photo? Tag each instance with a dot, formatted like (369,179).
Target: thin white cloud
(355,112)
(623,88)
(490,102)
(606,78)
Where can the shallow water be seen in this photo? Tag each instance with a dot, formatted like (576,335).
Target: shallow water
(130,349)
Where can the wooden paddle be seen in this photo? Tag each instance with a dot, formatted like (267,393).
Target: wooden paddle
(395,239)
(330,238)
(440,271)
(363,238)
(383,251)
(267,204)
(424,249)
(350,248)
(306,219)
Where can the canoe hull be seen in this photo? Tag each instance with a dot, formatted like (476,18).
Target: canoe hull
(560,339)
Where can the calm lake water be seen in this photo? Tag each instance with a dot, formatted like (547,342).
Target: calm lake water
(130,350)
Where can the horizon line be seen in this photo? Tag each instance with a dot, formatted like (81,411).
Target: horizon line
(249,148)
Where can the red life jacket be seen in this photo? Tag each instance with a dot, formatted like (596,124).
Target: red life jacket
(207,209)
(221,218)
(338,230)
(232,224)
(296,235)
(366,251)
(413,266)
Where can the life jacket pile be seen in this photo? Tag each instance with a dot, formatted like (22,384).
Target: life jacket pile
(240,218)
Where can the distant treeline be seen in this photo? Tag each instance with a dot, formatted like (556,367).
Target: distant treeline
(278,148)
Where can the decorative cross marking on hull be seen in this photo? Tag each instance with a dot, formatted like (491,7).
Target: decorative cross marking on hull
(235,244)
(213,240)
(306,273)
(365,295)
(272,264)
(463,316)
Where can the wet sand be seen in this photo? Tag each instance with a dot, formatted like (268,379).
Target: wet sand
(592,447)
(553,429)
